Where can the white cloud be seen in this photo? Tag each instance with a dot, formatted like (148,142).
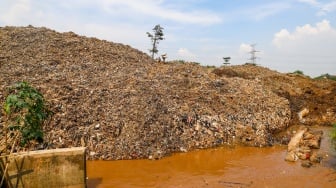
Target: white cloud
(14,11)
(308,47)
(326,8)
(323,8)
(310,2)
(244,48)
(122,33)
(280,36)
(270,10)
(261,12)
(185,54)
(125,21)
(161,9)
(306,34)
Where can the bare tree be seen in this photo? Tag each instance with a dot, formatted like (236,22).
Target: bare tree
(155,38)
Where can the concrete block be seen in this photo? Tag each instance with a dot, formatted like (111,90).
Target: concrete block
(64,167)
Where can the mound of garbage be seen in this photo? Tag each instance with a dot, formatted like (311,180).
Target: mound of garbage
(312,101)
(120,104)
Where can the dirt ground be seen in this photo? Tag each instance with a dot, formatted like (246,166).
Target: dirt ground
(121,104)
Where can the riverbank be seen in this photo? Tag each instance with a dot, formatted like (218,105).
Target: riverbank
(219,167)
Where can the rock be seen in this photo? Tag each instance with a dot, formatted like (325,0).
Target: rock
(307,136)
(295,140)
(182,149)
(316,157)
(156,155)
(306,164)
(303,156)
(304,149)
(92,153)
(284,140)
(304,153)
(303,145)
(312,143)
(312,139)
(304,112)
(291,156)
(317,133)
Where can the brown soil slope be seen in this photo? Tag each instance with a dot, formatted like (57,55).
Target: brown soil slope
(317,96)
(120,104)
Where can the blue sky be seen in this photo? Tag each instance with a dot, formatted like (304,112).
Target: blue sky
(290,34)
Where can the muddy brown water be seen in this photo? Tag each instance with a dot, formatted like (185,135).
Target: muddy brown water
(220,167)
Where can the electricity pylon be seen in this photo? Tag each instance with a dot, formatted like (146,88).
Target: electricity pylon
(253,52)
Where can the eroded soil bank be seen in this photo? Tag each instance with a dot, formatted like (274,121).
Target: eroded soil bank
(221,167)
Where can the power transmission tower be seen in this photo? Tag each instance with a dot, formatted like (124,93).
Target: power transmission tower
(253,52)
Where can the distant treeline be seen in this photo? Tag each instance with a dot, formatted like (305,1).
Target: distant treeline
(326,76)
(323,76)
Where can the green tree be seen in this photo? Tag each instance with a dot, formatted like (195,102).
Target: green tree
(155,37)
(26,112)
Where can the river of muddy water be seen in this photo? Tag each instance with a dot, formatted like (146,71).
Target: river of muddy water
(219,167)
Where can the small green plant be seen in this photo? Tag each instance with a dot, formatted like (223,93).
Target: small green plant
(25,111)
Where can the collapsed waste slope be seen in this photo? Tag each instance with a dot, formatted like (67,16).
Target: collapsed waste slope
(120,104)
(315,99)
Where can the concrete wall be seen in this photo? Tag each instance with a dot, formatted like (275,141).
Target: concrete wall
(48,169)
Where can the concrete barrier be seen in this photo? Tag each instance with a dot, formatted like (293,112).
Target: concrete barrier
(47,168)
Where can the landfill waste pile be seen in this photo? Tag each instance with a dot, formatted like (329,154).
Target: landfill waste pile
(312,101)
(121,104)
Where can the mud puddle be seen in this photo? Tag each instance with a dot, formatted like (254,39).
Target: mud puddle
(220,167)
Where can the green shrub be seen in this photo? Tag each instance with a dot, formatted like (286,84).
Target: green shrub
(25,111)
(210,66)
(298,72)
(181,61)
(326,76)
(252,64)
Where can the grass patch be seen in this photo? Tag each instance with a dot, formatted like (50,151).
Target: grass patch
(333,136)
(333,132)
